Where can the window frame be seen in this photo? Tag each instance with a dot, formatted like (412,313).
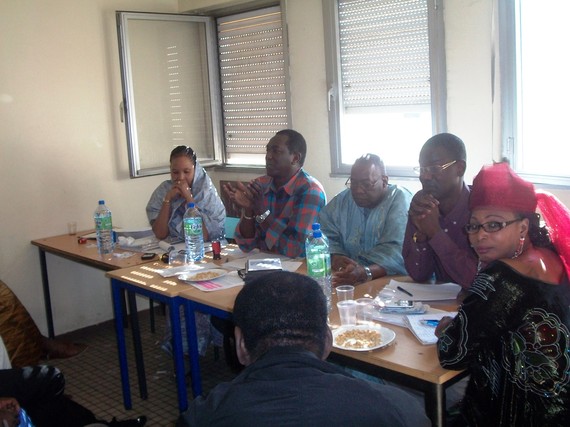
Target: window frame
(128,104)
(438,84)
(209,17)
(506,85)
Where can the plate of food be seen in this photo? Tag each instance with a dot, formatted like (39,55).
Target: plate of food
(203,275)
(362,337)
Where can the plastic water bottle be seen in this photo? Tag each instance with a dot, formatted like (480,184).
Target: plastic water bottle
(193,234)
(319,261)
(104,228)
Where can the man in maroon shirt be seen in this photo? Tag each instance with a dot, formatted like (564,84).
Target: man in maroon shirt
(435,245)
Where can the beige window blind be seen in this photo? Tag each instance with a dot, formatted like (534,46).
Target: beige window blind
(384,53)
(253,74)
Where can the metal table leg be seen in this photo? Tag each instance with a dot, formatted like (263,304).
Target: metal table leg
(117,293)
(137,344)
(192,337)
(47,296)
(178,354)
(435,404)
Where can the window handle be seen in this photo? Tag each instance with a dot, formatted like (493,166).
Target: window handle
(330,97)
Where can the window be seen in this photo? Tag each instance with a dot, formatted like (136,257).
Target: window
(386,76)
(253,74)
(532,88)
(219,86)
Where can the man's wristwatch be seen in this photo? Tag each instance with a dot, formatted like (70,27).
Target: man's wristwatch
(368,273)
(262,217)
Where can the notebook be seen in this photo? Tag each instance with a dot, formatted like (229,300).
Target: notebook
(425,333)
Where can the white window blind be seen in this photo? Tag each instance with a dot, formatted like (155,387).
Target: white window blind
(384,52)
(386,77)
(253,74)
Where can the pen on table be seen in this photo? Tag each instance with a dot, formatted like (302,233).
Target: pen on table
(430,322)
(404,291)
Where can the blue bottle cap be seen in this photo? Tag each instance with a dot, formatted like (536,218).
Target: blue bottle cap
(190,205)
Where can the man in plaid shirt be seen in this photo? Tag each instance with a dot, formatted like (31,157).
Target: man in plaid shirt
(278,209)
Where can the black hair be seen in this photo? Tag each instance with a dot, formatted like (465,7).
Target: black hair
(295,143)
(183,150)
(537,233)
(375,160)
(282,309)
(451,143)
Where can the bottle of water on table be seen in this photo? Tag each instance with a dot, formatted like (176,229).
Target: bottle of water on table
(104,229)
(193,234)
(319,261)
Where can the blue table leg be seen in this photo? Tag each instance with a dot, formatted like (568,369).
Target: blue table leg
(121,344)
(192,338)
(137,344)
(178,354)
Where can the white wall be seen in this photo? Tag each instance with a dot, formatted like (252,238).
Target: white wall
(62,146)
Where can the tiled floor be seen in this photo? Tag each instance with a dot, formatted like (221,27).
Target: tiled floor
(93,377)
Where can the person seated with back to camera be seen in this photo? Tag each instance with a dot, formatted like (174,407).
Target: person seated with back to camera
(435,244)
(34,396)
(165,210)
(513,330)
(365,224)
(279,209)
(283,338)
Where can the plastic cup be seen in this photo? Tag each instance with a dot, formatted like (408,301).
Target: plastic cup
(344,292)
(364,311)
(386,296)
(72,228)
(177,259)
(347,312)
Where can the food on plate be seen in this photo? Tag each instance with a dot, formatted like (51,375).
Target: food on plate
(359,339)
(206,275)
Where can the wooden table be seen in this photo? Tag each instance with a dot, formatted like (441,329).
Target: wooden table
(407,362)
(68,247)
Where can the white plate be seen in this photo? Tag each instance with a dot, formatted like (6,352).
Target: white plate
(386,336)
(203,275)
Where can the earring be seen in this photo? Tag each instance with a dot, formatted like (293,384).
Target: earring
(520,249)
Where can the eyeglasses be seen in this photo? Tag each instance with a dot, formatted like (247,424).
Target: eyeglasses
(365,185)
(489,227)
(433,170)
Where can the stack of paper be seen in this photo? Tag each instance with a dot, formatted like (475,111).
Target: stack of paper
(423,325)
(423,292)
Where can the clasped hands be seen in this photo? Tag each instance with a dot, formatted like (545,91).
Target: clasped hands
(249,198)
(181,188)
(346,271)
(424,214)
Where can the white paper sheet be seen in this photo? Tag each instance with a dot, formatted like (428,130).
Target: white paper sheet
(424,333)
(424,292)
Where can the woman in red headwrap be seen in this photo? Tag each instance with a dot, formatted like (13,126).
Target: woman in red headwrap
(512,331)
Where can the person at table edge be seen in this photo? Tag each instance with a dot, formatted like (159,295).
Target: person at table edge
(279,208)
(365,224)
(435,242)
(188,182)
(282,337)
(513,330)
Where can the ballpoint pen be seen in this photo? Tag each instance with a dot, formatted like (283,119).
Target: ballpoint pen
(430,322)
(404,291)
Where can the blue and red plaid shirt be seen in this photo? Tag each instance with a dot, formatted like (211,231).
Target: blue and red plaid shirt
(295,207)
